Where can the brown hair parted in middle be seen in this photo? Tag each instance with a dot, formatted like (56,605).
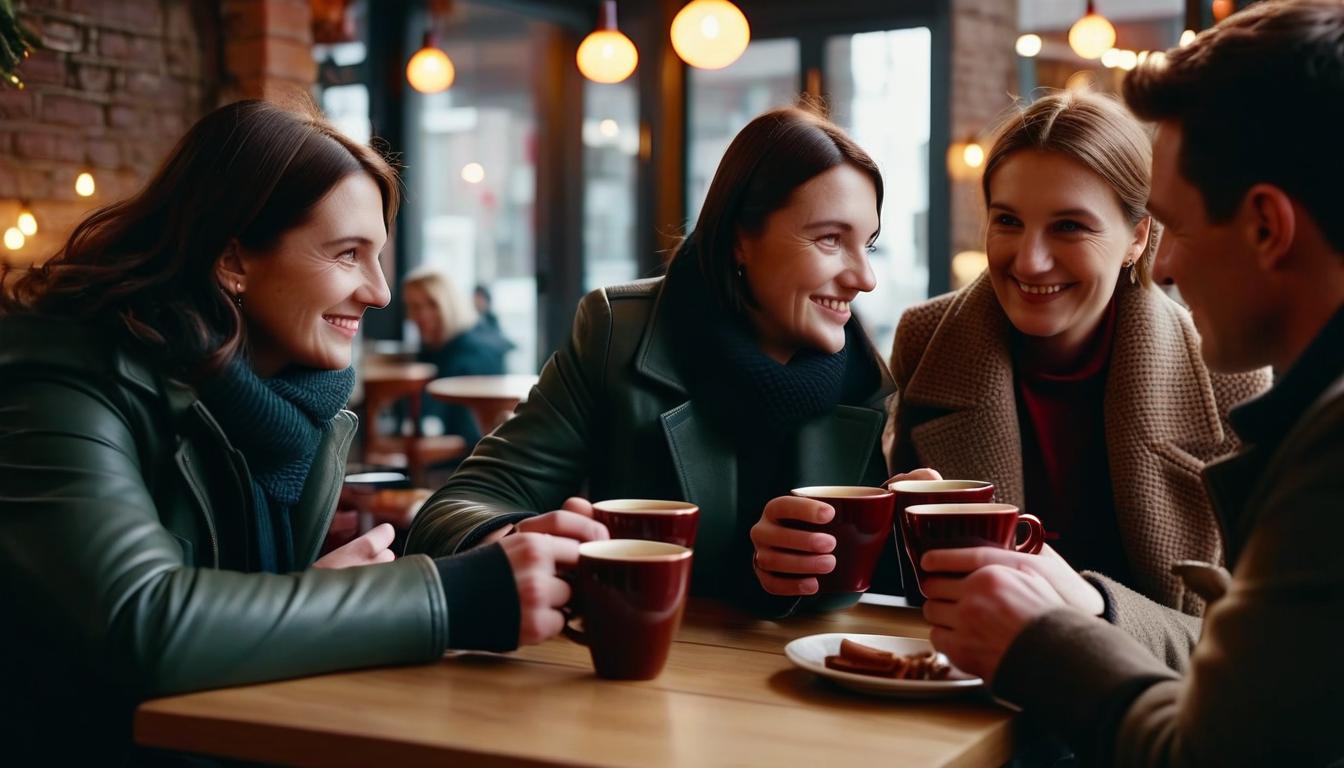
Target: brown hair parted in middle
(772,156)
(248,171)
(1094,130)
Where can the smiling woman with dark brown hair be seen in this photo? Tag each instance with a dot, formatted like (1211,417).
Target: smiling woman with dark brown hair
(740,376)
(172,443)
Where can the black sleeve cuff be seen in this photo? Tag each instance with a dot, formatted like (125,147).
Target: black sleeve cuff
(483,610)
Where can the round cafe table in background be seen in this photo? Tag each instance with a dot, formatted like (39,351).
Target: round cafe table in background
(490,398)
(384,384)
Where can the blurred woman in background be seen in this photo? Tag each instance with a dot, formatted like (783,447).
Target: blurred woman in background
(455,339)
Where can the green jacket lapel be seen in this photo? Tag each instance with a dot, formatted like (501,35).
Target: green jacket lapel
(706,469)
(839,448)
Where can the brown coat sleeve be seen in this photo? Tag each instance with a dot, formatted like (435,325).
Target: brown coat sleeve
(1265,682)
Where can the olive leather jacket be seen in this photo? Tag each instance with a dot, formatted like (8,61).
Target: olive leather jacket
(611,417)
(123,546)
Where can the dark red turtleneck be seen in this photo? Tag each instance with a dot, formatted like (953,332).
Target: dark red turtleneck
(1064,459)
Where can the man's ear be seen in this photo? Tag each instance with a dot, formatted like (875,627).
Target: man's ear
(229,269)
(1269,224)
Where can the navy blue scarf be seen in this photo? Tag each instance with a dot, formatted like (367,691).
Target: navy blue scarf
(277,424)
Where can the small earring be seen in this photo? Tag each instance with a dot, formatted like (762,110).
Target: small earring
(1133,273)
(741,271)
(238,295)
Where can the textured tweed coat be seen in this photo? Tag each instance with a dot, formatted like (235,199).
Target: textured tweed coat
(1165,417)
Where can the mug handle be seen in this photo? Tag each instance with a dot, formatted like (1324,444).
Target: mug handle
(577,635)
(572,610)
(1035,535)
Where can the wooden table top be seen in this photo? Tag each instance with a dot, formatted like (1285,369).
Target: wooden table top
(512,387)
(727,697)
(398,373)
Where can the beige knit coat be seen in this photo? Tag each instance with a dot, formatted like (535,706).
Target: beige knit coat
(1165,417)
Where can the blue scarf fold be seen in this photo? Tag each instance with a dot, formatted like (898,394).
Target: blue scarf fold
(277,424)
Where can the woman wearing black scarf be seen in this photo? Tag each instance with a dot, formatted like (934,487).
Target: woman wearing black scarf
(172,443)
(739,376)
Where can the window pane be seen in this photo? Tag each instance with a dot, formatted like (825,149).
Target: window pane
(870,78)
(721,101)
(473,182)
(610,159)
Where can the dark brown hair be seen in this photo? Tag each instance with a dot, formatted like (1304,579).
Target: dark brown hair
(772,156)
(1094,130)
(248,171)
(1259,99)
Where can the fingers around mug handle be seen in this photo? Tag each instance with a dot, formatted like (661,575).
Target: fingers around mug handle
(573,610)
(1035,534)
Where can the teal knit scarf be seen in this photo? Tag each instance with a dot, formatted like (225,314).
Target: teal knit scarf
(277,424)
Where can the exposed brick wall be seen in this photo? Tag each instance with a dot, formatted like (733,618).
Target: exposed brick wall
(984,81)
(112,89)
(116,85)
(268,49)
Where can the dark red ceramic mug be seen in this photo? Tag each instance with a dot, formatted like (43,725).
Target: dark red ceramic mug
(954,526)
(861,525)
(630,594)
(912,492)
(674,522)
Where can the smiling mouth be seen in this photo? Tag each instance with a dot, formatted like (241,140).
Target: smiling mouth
(343,322)
(835,305)
(1042,290)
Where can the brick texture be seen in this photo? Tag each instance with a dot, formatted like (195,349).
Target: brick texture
(984,82)
(268,48)
(118,82)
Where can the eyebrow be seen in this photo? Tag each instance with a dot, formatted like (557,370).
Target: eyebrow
(351,239)
(830,224)
(1078,212)
(835,224)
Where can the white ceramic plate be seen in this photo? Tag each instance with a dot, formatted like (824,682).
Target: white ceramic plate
(810,654)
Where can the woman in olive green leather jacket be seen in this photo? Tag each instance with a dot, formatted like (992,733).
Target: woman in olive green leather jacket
(172,445)
(739,376)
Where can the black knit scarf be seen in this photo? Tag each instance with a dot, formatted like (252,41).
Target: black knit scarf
(745,390)
(277,424)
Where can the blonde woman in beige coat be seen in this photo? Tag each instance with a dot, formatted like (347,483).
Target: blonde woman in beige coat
(1067,379)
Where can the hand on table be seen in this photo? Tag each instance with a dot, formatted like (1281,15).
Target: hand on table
(370,549)
(788,560)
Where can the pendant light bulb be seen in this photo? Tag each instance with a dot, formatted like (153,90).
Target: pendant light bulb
(710,34)
(1092,35)
(430,70)
(606,55)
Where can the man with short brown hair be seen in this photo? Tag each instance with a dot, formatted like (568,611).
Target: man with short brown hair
(1248,181)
